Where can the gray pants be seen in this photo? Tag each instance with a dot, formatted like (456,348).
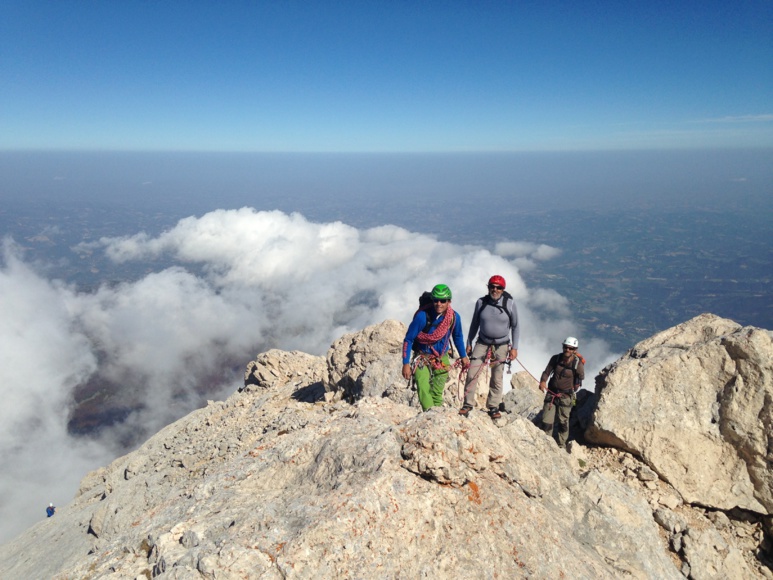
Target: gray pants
(476,372)
(563,405)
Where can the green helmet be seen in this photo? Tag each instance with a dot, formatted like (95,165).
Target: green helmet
(441,292)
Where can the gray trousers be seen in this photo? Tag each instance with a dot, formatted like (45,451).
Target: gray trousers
(563,405)
(477,371)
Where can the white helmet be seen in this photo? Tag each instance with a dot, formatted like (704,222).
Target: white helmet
(571,341)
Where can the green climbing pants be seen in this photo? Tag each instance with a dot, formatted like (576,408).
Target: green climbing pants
(563,405)
(430,383)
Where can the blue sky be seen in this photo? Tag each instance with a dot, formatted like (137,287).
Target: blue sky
(372,76)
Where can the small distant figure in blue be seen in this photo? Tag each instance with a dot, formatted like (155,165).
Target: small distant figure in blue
(50,510)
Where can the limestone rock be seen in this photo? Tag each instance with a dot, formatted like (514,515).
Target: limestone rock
(376,349)
(696,403)
(670,520)
(577,451)
(710,557)
(369,364)
(524,397)
(268,485)
(611,517)
(275,367)
(278,482)
(644,473)
(719,519)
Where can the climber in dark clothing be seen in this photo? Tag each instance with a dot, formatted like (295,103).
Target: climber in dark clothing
(566,372)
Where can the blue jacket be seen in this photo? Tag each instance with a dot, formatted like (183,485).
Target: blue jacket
(417,325)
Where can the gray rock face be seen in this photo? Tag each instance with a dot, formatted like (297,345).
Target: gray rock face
(696,403)
(277,367)
(524,397)
(370,490)
(710,557)
(367,363)
(283,481)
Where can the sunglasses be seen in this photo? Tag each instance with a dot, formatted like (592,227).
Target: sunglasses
(570,347)
(495,287)
(441,300)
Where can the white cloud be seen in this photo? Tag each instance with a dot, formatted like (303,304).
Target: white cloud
(545,252)
(530,250)
(42,358)
(245,281)
(764,118)
(524,264)
(549,300)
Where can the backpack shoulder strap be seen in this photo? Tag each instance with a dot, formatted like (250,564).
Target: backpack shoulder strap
(428,324)
(508,297)
(487,302)
(557,358)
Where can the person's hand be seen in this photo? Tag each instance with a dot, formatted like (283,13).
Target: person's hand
(543,387)
(407,372)
(465,363)
(513,353)
(469,349)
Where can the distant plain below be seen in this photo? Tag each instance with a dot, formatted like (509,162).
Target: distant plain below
(647,239)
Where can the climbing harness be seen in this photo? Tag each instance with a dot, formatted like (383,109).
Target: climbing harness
(462,391)
(433,361)
(553,396)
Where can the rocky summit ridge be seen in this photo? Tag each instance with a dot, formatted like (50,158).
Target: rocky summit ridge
(324,467)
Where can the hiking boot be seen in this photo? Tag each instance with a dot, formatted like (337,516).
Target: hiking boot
(494,413)
(464,411)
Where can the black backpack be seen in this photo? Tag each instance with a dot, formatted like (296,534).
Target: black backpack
(425,301)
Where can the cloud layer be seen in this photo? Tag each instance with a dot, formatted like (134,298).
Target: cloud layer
(244,281)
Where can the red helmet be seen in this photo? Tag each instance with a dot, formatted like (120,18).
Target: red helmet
(498,280)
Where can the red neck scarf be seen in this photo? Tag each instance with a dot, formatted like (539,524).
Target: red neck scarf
(441,331)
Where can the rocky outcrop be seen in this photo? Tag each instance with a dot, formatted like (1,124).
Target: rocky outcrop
(695,402)
(340,491)
(284,480)
(368,363)
(277,367)
(708,544)
(524,397)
